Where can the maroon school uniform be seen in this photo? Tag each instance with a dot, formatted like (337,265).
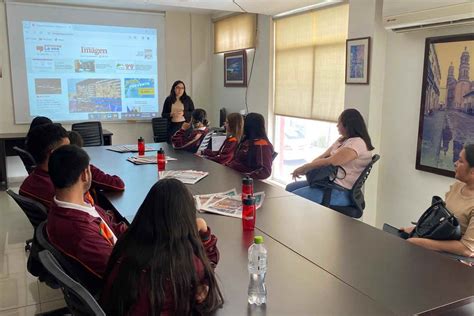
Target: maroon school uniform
(254,157)
(39,187)
(82,236)
(182,140)
(142,305)
(225,153)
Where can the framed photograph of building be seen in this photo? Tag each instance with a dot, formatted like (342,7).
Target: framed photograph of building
(358,60)
(235,69)
(447,103)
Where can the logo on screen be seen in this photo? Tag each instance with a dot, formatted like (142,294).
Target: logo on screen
(94,50)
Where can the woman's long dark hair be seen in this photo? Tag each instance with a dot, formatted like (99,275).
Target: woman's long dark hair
(254,127)
(354,125)
(162,240)
(469,150)
(184,97)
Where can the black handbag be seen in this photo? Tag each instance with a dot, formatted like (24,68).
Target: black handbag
(324,175)
(437,222)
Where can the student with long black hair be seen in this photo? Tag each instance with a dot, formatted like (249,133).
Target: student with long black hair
(352,151)
(164,263)
(254,155)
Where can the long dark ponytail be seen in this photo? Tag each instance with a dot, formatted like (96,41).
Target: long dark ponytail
(157,251)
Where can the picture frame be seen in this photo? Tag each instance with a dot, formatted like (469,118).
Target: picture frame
(235,69)
(446,121)
(358,60)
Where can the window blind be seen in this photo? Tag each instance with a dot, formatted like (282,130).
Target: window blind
(235,33)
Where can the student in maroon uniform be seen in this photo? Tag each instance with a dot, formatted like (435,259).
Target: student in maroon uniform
(190,140)
(84,232)
(164,263)
(254,155)
(100,180)
(233,126)
(42,141)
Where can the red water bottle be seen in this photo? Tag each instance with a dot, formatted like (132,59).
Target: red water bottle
(161,159)
(141,146)
(248,213)
(247,187)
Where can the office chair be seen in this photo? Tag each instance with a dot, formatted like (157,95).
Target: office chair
(357,207)
(71,266)
(27,159)
(91,133)
(160,129)
(274,155)
(222,116)
(34,211)
(78,299)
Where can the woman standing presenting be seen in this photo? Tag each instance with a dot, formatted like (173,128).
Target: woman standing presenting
(177,108)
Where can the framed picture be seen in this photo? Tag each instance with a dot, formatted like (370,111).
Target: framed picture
(357,60)
(235,69)
(447,103)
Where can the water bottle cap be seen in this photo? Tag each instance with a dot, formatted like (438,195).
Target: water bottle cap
(140,139)
(247,180)
(258,240)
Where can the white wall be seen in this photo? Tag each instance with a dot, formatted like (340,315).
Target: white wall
(405,192)
(365,20)
(188,57)
(259,96)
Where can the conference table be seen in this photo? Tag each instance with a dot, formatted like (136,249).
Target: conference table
(320,262)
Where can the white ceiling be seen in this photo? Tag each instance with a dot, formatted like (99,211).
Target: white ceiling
(267,7)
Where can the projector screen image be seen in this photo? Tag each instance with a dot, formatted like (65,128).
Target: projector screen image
(78,72)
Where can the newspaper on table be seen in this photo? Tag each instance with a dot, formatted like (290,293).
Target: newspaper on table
(128,148)
(185,176)
(227,203)
(143,160)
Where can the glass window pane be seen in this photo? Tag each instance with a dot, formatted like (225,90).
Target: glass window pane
(299,141)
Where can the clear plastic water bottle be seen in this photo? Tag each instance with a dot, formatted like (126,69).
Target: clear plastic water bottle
(257,267)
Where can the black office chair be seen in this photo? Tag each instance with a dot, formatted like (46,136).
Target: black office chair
(357,207)
(34,211)
(274,155)
(160,129)
(71,266)
(78,299)
(91,133)
(27,159)
(222,116)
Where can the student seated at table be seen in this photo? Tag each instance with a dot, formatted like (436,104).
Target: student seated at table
(100,180)
(37,121)
(460,201)
(42,141)
(233,125)
(254,154)
(189,139)
(352,151)
(83,232)
(164,264)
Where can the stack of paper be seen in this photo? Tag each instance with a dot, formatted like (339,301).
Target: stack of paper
(143,160)
(227,203)
(185,176)
(128,148)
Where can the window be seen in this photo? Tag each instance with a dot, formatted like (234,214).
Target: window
(235,33)
(309,63)
(299,141)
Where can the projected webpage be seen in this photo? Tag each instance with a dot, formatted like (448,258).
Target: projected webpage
(91,72)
